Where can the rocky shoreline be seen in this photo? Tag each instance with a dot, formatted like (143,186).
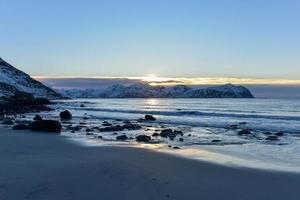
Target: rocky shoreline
(118,129)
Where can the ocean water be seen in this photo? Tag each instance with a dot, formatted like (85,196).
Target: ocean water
(204,123)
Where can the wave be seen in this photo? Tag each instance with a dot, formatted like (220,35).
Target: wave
(193,113)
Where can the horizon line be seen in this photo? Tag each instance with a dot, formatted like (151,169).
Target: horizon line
(155,80)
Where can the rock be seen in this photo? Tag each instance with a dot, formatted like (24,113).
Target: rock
(155,134)
(105,123)
(181,139)
(88,130)
(46,126)
(189,135)
(65,115)
(149,117)
(130,126)
(21,127)
(37,118)
(122,137)
(244,132)
(143,138)
(89,133)
(176,147)
(81,105)
(170,133)
(232,127)
(112,128)
(8,122)
(279,134)
(85,118)
(99,136)
(242,123)
(216,140)
(272,138)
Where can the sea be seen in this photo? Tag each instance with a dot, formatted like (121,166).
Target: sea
(210,128)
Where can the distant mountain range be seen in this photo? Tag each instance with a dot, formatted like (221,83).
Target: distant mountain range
(144,90)
(13,81)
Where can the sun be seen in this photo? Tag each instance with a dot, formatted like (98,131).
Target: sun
(152,78)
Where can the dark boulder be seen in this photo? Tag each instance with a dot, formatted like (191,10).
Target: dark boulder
(37,118)
(272,138)
(279,134)
(21,127)
(65,115)
(155,134)
(105,123)
(143,138)
(130,126)
(46,126)
(169,133)
(8,122)
(122,137)
(244,132)
(112,128)
(149,117)
(82,105)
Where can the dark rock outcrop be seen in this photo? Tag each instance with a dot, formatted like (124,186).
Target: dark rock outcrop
(46,126)
(65,115)
(122,137)
(149,118)
(37,118)
(143,138)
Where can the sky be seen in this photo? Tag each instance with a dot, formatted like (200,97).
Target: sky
(242,39)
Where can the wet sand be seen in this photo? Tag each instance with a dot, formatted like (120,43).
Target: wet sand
(46,166)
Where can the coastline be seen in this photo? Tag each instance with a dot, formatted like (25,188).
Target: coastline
(44,166)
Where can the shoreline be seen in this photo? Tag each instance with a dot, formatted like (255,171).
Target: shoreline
(45,166)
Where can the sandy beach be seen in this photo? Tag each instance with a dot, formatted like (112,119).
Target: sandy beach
(44,166)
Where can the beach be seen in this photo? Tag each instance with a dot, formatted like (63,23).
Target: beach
(37,165)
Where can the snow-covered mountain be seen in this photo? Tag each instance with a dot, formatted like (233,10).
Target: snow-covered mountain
(13,81)
(144,90)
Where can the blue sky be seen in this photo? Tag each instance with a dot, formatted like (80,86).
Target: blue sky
(168,38)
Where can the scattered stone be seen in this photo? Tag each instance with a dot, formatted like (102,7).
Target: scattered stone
(89,133)
(242,123)
(279,134)
(21,127)
(46,126)
(122,137)
(65,115)
(169,133)
(176,147)
(181,139)
(85,118)
(155,134)
(149,117)
(81,105)
(99,136)
(169,146)
(105,123)
(272,138)
(8,122)
(130,126)
(143,138)
(189,135)
(232,127)
(216,140)
(112,128)
(88,130)
(37,118)
(244,132)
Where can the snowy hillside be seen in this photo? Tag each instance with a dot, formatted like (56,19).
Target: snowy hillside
(13,80)
(144,90)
